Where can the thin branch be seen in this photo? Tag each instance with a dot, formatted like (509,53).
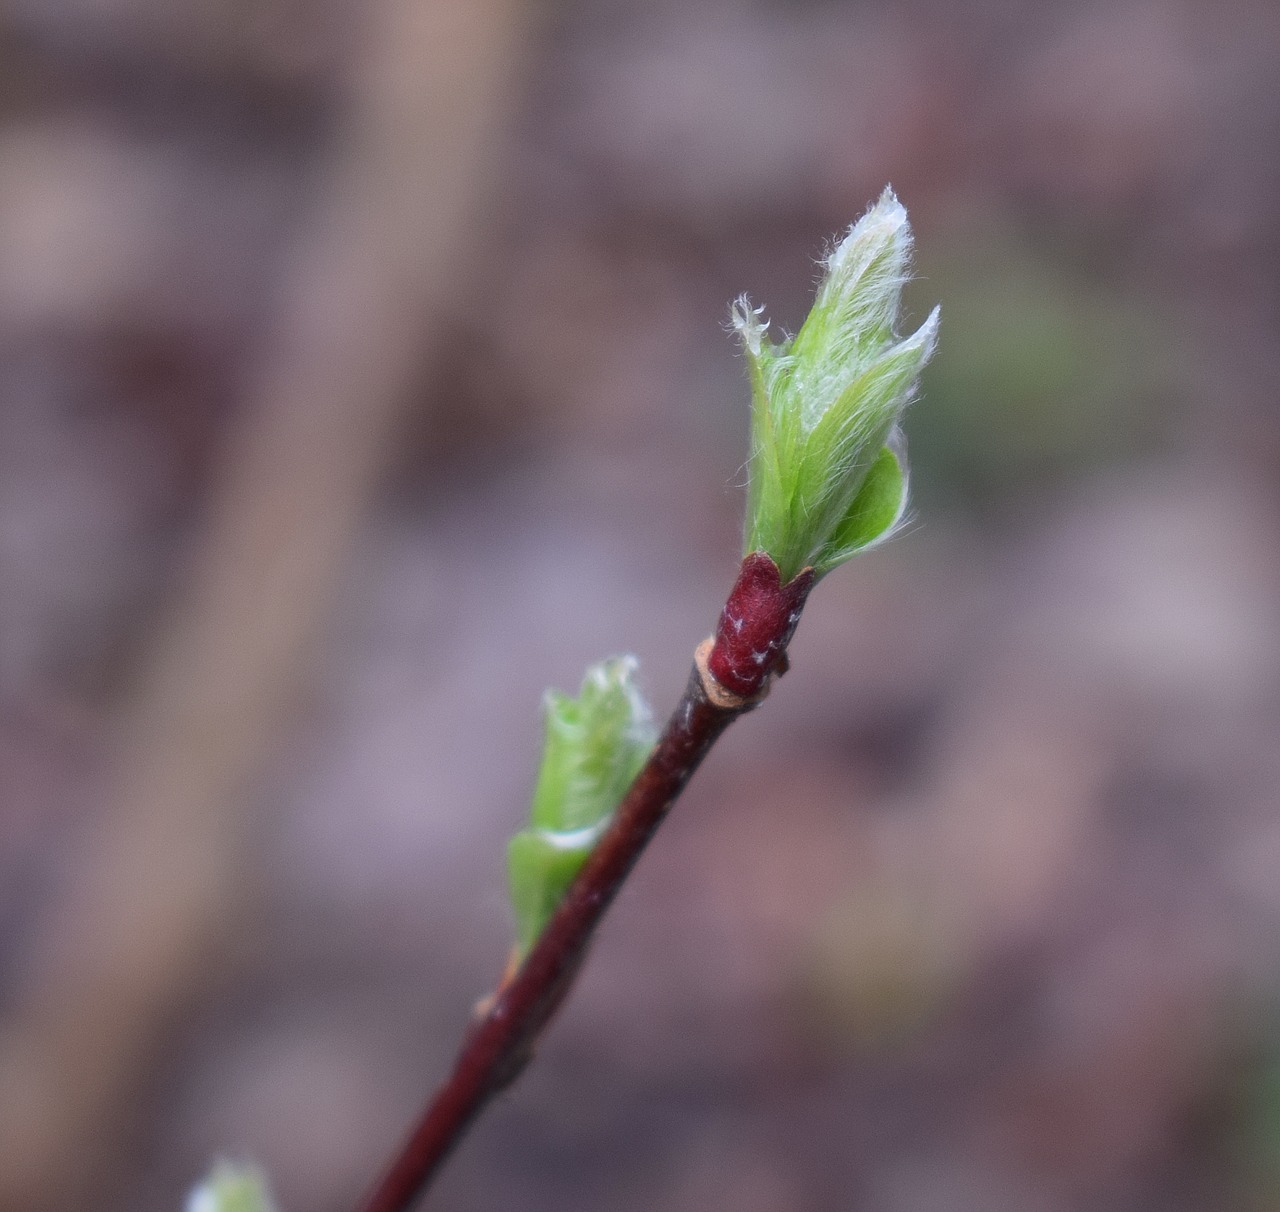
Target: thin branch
(501,1042)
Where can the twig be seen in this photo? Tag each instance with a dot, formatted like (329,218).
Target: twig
(730,676)
(828,478)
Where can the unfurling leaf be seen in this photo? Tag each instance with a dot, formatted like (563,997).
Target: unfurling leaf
(826,406)
(595,745)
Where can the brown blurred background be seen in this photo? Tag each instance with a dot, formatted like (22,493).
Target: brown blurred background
(363,372)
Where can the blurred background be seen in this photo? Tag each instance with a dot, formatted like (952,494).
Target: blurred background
(364,371)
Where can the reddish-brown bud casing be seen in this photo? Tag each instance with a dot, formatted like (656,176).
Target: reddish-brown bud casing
(756,625)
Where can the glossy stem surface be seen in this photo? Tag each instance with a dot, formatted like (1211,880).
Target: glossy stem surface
(500,1042)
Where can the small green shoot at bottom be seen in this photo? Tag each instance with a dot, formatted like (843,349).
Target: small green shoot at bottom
(231,1189)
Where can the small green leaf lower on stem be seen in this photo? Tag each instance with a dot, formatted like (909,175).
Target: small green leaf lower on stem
(595,745)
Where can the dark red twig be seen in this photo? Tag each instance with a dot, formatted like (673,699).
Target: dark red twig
(759,618)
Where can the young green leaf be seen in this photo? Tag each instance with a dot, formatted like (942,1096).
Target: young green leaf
(828,473)
(595,745)
(231,1189)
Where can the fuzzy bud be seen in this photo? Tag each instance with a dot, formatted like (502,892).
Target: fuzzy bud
(828,472)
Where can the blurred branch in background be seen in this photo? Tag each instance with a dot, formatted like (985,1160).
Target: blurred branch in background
(167,863)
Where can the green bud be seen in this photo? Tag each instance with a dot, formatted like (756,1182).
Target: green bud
(231,1189)
(595,745)
(828,470)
